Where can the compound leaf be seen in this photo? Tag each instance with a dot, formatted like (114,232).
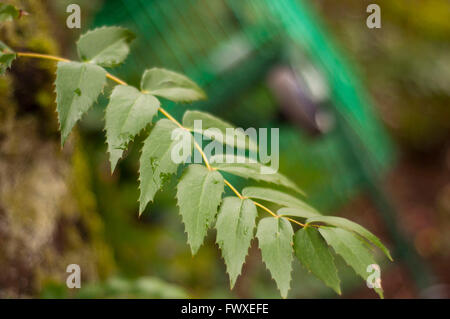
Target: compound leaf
(157,162)
(106,46)
(277,197)
(351,249)
(235,224)
(351,226)
(275,241)
(314,254)
(199,192)
(77,87)
(216,129)
(244,167)
(199,195)
(128,112)
(171,85)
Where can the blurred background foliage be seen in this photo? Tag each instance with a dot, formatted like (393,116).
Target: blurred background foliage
(406,64)
(94,223)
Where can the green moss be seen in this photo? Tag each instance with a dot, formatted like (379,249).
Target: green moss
(46,201)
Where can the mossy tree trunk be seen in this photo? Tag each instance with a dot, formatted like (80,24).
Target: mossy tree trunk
(48,214)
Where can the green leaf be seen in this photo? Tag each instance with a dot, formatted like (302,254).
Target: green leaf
(297,212)
(199,195)
(314,254)
(235,224)
(241,166)
(277,197)
(209,122)
(77,87)
(8,12)
(351,226)
(106,46)
(351,249)
(156,163)
(171,85)
(128,112)
(275,241)
(7,56)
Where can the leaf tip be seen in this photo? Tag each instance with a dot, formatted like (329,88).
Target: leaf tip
(389,255)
